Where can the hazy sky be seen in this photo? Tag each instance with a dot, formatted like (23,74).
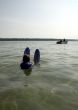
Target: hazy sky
(39,18)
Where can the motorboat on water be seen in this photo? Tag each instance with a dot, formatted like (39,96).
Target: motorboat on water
(64,41)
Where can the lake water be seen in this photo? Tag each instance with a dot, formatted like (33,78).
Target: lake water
(52,85)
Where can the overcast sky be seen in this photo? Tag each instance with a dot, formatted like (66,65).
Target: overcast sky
(39,18)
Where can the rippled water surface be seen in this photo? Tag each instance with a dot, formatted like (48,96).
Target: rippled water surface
(52,85)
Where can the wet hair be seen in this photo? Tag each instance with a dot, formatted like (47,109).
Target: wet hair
(26,58)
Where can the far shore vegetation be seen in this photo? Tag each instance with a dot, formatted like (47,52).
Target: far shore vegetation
(33,39)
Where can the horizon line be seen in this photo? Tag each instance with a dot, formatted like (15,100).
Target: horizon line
(34,39)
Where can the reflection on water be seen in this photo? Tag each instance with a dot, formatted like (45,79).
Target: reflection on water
(27,72)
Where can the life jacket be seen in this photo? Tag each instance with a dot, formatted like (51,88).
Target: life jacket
(27,51)
(26,65)
(37,56)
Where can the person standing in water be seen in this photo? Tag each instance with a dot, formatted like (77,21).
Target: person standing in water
(27,51)
(26,64)
(37,57)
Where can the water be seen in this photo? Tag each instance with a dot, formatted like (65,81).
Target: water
(52,85)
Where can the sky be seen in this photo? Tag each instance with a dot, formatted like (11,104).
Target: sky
(39,19)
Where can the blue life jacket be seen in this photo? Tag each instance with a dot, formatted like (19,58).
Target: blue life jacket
(26,65)
(37,56)
(27,51)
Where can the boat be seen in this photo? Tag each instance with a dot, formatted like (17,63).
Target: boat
(64,41)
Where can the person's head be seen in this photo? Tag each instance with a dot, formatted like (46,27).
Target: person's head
(37,51)
(27,51)
(26,58)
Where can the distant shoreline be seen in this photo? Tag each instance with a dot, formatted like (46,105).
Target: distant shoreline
(27,39)
(32,39)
